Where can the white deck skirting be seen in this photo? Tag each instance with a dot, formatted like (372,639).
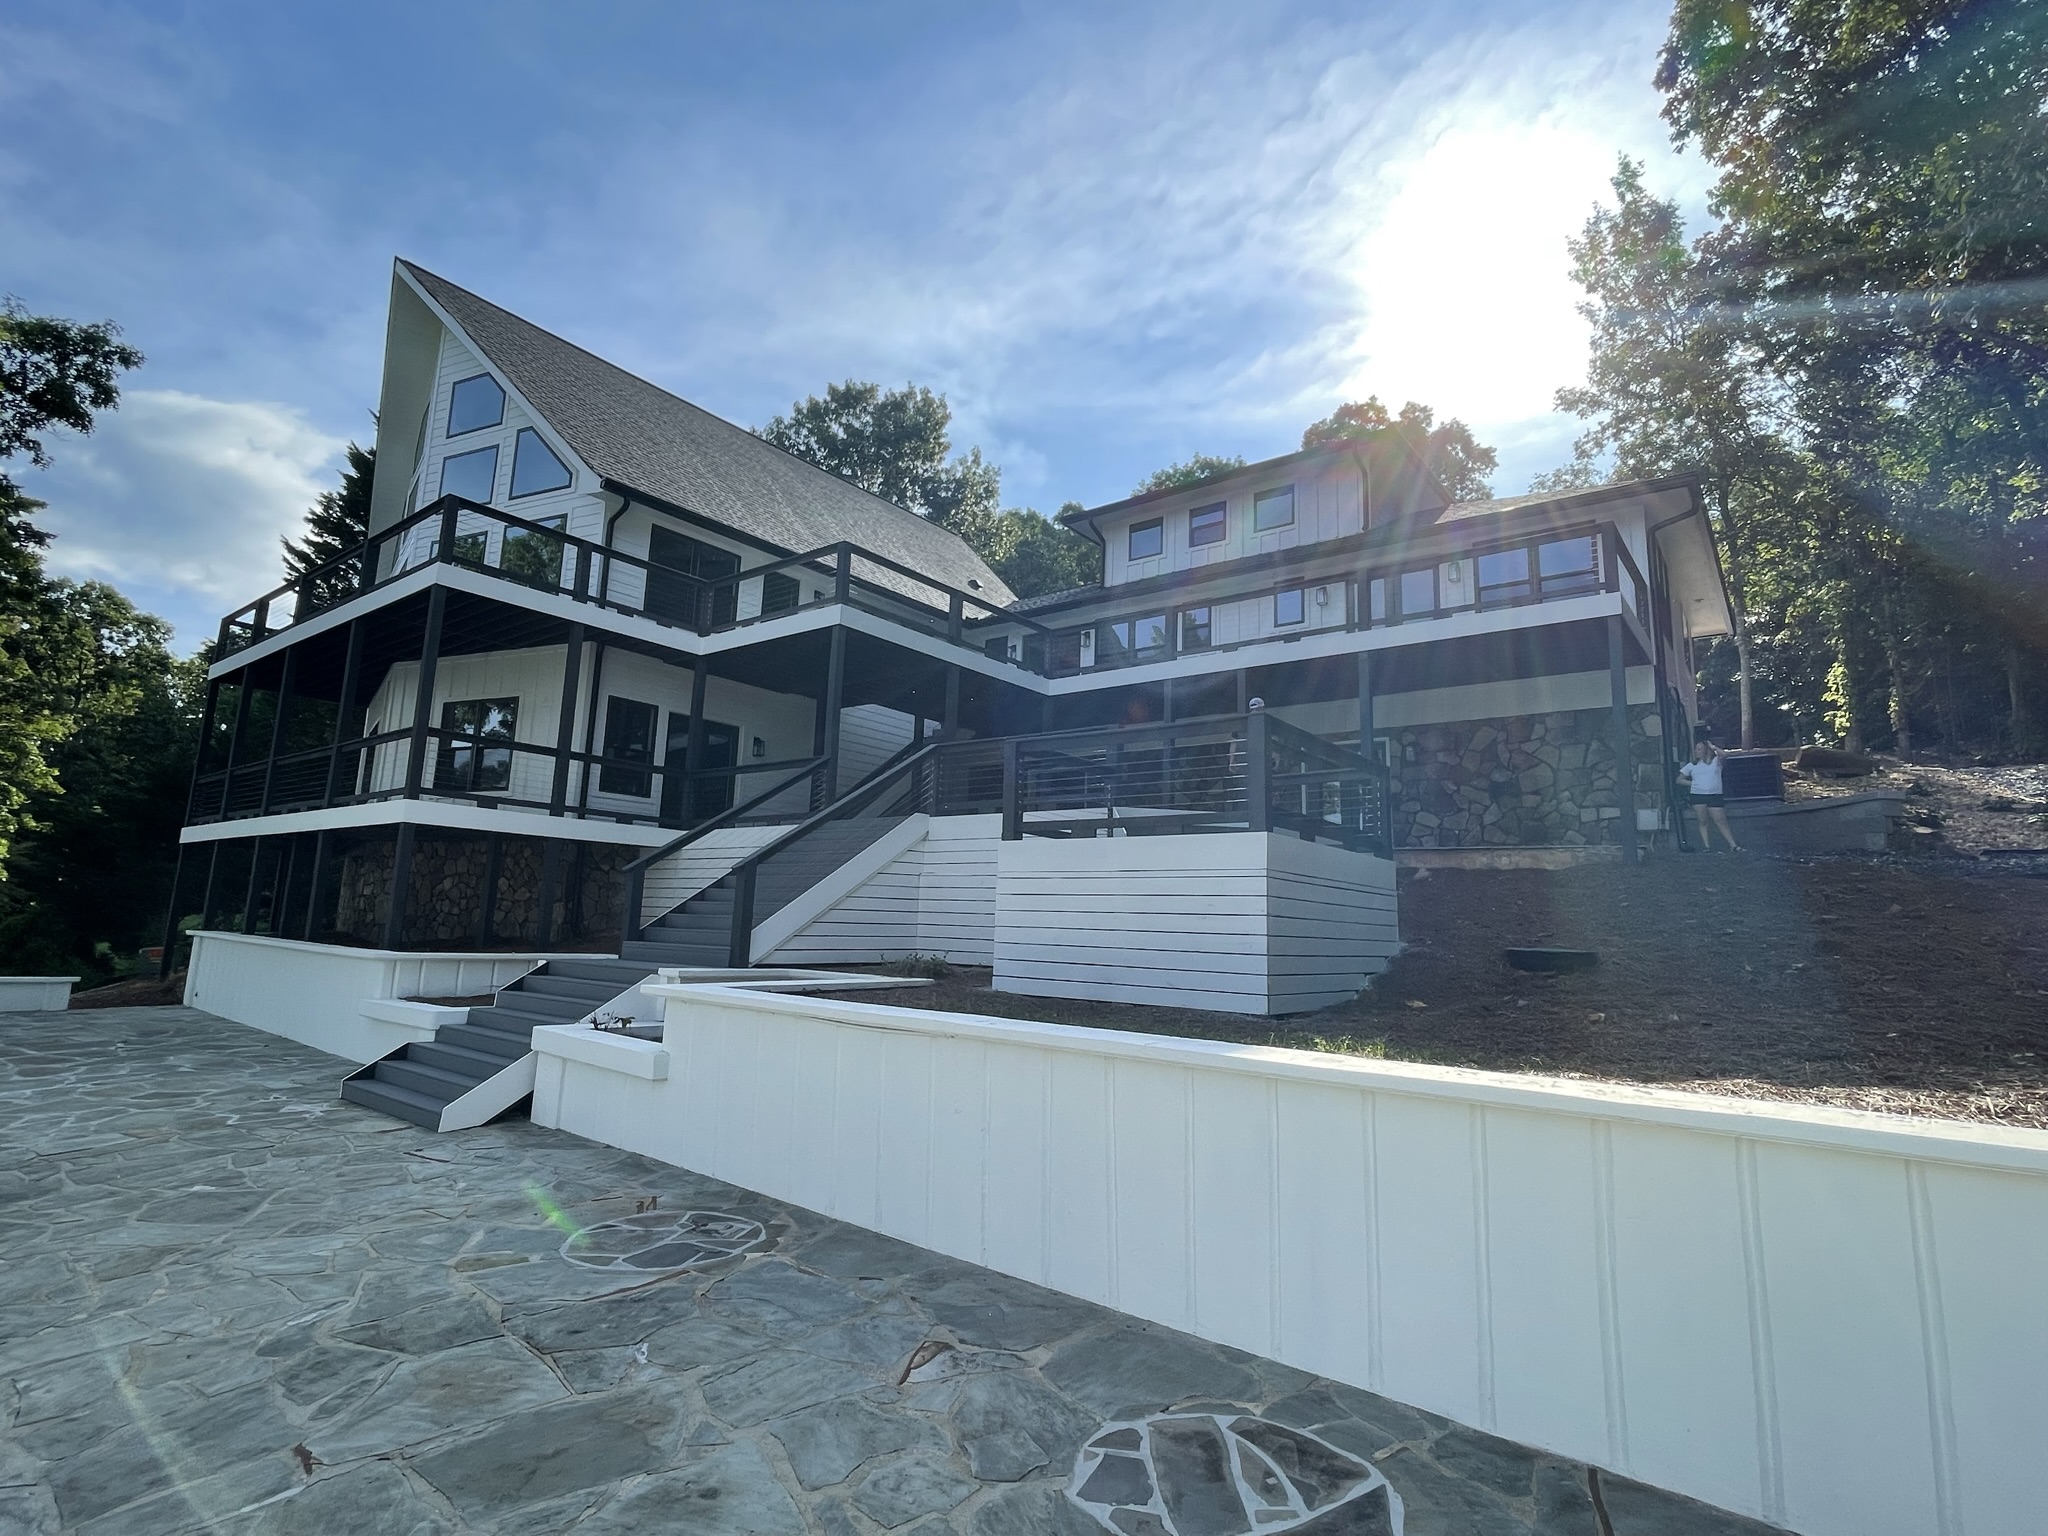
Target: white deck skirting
(315,993)
(34,994)
(1823,1318)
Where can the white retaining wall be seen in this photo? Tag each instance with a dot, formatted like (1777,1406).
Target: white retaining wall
(1826,1319)
(1244,922)
(314,993)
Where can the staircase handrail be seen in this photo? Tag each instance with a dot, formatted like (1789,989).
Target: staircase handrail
(636,872)
(739,952)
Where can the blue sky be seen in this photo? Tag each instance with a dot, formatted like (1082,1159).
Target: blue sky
(1113,235)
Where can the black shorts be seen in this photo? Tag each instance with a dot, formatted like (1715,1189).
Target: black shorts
(1708,800)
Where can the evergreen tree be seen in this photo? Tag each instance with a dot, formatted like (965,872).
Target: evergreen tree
(336,525)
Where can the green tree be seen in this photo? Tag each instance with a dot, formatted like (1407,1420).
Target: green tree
(1457,458)
(53,373)
(336,524)
(1192,470)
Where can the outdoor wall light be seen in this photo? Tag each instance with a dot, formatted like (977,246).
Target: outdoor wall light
(1322,597)
(1456,570)
(760,747)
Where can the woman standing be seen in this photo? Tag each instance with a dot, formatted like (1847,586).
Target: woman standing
(1703,776)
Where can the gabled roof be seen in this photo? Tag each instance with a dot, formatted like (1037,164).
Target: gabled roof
(645,439)
(1390,439)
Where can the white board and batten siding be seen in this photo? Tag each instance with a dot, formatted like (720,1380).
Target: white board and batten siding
(1825,1319)
(1242,922)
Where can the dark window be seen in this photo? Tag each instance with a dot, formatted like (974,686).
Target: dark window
(470,475)
(628,740)
(1148,539)
(1207,525)
(1127,640)
(533,557)
(780,592)
(471,547)
(997,646)
(1567,567)
(1196,632)
(534,466)
(1273,509)
(475,403)
(1418,592)
(1504,577)
(476,765)
(688,800)
(1063,652)
(694,582)
(1288,607)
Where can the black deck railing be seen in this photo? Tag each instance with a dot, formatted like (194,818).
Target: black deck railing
(543,557)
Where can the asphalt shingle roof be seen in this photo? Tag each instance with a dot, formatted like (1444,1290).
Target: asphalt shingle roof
(661,445)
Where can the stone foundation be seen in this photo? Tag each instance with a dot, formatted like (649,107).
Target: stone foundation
(1527,780)
(449,879)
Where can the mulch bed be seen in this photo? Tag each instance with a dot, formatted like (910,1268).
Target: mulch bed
(136,992)
(1916,986)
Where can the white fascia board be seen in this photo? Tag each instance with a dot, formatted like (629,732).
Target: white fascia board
(547,430)
(449,814)
(1338,641)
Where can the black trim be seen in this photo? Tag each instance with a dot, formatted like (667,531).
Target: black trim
(569,475)
(1290,490)
(449,419)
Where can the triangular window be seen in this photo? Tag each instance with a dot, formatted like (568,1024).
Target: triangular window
(534,466)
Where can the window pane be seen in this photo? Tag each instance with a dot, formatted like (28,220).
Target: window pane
(475,404)
(628,734)
(1288,608)
(1569,565)
(472,765)
(534,558)
(1273,509)
(1149,636)
(1112,643)
(1376,598)
(1148,539)
(1504,576)
(1418,592)
(1195,631)
(1207,525)
(471,476)
(534,466)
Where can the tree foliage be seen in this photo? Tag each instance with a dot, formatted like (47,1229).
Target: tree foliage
(898,444)
(336,523)
(1457,458)
(1192,470)
(1855,355)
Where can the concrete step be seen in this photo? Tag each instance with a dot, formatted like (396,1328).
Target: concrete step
(437,1083)
(389,1099)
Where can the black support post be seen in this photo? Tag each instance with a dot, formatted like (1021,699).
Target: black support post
(565,724)
(950,726)
(1258,780)
(592,745)
(243,693)
(249,891)
(494,866)
(351,674)
(1624,758)
(163,965)
(1365,720)
(423,701)
(401,884)
(827,733)
(205,741)
(207,910)
(286,677)
(323,851)
(693,751)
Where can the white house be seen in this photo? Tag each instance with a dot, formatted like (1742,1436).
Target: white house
(612,675)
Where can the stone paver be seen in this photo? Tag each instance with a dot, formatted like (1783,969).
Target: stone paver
(231,1303)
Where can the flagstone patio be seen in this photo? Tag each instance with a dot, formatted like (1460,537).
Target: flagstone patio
(230,1302)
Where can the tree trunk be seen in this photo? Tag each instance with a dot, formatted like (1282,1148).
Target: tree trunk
(1898,716)
(2021,725)
(1739,617)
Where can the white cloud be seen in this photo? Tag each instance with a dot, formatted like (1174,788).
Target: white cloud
(180,500)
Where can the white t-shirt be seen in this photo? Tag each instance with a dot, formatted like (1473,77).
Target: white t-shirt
(1705,778)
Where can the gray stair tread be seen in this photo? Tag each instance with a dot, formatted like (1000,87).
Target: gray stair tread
(455,1058)
(502,1043)
(402,1103)
(558,1010)
(569,987)
(420,1077)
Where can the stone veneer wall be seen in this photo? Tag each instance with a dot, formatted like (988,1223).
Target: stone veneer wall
(1544,780)
(444,906)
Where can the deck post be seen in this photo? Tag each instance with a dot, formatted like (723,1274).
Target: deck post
(163,965)
(592,747)
(565,722)
(401,885)
(287,675)
(287,873)
(205,740)
(227,779)
(550,883)
(323,851)
(1258,779)
(1365,720)
(207,911)
(1013,802)
(351,674)
(249,891)
(826,736)
(693,751)
(1624,758)
(494,864)
(423,697)
(950,724)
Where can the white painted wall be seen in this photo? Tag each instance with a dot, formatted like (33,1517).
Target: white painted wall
(929,891)
(313,993)
(1242,922)
(35,994)
(1826,1319)
(1328,505)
